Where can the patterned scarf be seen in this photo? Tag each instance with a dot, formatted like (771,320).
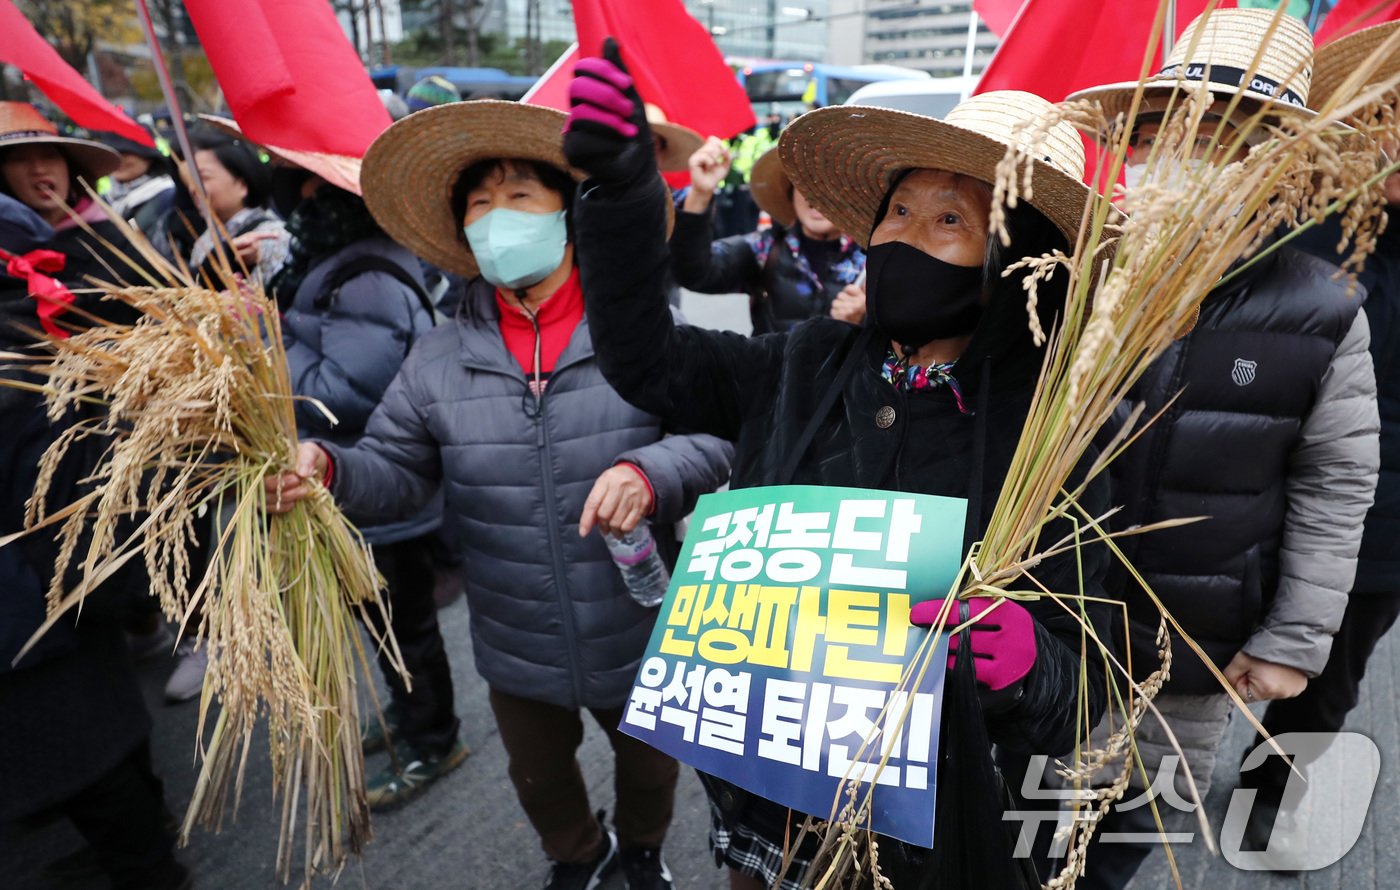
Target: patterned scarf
(916,378)
(849,263)
(330,219)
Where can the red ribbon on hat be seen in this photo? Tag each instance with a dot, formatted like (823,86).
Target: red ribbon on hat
(53,298)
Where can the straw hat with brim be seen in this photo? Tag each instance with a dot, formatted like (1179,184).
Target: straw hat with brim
(678,143)
(1224,51)
(845,158)
(411,169)
(341,171)
(22,124)
(1337,60)
(771,189)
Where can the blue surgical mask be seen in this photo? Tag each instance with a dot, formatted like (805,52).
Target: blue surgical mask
(515,249)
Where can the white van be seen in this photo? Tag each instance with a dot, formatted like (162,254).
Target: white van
(933,97)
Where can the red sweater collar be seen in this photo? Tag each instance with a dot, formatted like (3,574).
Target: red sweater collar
(557,317)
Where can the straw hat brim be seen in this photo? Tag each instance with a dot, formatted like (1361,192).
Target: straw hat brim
(844,158)
(410,170)
(1117,98)
(1335,61)
(681,143)
(771,188)
(93,159)
(341,171)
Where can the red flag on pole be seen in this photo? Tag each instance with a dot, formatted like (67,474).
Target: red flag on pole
(998,14)
(21,46)
(1110,41)
(1353,15)
(552,89)
(290,75)
(672,58)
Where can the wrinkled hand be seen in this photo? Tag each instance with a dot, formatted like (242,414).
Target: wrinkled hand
(246,246)
(709,165)
(1257,680)
(618,501)
(849,305)
(607,135)
(283,490)
(1003,638)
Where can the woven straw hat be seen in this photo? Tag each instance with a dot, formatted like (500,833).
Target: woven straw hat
(341,171)
(1224,51)
(411,168)
(1337,60)
(771,188)
(844,158)
(677,143)
(22,124)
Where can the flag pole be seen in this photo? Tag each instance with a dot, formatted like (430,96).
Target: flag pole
(967,55)
(1168,30)
(177,116)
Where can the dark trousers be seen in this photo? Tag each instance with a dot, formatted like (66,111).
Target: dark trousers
(123,818)
(1329,697)
(427,720)
(541,741)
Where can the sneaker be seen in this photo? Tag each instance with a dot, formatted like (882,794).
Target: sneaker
(375,734)
(187,680)
(409,775)
(145,646)
(645,869)
(585,875)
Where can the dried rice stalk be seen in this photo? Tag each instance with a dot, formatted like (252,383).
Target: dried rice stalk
(199,409)
(1135,285)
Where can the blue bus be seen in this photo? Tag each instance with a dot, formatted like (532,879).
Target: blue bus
(791,87)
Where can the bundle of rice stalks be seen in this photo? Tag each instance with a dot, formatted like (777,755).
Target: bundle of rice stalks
(1136,283)
(198,409)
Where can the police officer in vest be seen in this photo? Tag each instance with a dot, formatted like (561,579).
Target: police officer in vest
(1269,428)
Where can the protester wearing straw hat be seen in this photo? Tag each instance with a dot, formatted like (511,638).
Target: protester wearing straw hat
(798,268)
(538,457)
(929,395)
(75,742)
(1374,602)
(1267,426)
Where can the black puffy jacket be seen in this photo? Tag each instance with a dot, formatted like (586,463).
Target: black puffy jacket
(1273,437)
(760,392)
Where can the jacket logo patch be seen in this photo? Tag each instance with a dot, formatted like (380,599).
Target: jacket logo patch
(1243,372)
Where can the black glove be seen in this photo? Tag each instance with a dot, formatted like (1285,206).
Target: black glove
(607,135)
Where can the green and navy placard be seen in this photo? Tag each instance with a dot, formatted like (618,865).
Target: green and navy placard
(785,634)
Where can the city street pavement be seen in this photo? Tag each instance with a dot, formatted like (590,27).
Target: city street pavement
(468,833)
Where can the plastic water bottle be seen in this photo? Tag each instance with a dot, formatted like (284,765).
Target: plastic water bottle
(642,570)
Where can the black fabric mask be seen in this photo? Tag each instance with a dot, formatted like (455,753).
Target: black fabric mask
(914,298)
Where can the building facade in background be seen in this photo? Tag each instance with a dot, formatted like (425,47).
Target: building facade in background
(766,29)
(930,35)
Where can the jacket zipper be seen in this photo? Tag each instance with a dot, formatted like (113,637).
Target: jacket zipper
(551,502)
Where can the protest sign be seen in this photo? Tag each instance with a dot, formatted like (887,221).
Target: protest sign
(784,641)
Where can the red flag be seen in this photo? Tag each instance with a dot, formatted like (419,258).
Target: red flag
(21,46)
(998,14)
(552,89)
(1108,41)
(290,75)
(1353,15)
(672,58)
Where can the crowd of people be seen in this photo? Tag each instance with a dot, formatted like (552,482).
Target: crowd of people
(485,305)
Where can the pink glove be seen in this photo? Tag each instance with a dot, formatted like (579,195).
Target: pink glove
(607,135)
(1003,638)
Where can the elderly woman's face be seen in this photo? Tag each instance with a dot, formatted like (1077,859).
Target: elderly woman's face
(943,214)
(37,175)
(512,186)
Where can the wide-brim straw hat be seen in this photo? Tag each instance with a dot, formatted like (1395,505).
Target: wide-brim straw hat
(1336,61)
(845,158)
(677,143)
(1225,51)
(411,169)
(771,188)
(341,171)
(22,124)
